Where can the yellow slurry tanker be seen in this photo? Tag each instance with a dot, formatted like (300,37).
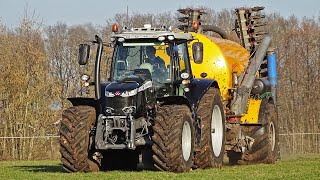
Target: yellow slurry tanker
(247,79)
(180,99)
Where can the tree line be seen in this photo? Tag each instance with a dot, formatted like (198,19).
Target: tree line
(39,70)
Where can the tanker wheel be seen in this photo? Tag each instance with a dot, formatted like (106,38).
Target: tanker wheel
(265,148)
(173,137)
(75,139)
(120,160)
(211,149)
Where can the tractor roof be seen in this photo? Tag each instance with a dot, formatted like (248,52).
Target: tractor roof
(152,33)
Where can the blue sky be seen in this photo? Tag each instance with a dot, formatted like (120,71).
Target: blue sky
(97,11)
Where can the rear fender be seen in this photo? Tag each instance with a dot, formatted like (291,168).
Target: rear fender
(198,87)
(171,100)
(79,101)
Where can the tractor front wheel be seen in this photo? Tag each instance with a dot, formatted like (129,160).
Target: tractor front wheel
(75,139)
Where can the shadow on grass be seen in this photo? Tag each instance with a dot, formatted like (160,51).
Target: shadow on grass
(42,168)
(59,169)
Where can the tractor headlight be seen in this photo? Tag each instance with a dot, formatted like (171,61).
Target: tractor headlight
(109,94)
(171,38)
(85,77)
(129,110)
(121,39)
(161,38)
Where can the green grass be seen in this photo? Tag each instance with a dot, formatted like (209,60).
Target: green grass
(300,167)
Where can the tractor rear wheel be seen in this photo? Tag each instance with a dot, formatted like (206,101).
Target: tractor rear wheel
(265,148)
(75,139)
(211,113)
(173,137)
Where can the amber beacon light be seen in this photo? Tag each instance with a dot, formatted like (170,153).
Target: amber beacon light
(115,28)
(195,25)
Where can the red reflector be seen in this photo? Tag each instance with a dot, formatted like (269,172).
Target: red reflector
(234,119)
(115,28)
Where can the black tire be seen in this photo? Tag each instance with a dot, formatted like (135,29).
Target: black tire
(120,160)
(169,153)
(75,139)
(265,148)
(209,156)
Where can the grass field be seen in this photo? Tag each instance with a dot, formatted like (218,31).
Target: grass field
(299,167)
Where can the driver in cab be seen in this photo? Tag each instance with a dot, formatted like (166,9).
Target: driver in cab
(155,65)
(154,60)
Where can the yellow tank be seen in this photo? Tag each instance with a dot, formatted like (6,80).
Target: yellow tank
(221,58)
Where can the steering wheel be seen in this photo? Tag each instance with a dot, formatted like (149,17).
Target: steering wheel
(147,66)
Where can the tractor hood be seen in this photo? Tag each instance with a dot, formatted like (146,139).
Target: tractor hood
(125,89)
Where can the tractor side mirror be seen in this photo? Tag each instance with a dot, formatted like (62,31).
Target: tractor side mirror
(197,52)
(84,51)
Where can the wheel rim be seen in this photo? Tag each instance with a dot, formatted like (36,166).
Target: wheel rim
(186,141)
(272,136)
(216,131)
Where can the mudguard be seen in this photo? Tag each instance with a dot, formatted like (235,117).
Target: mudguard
(198,87)
(77,101)
(169,100)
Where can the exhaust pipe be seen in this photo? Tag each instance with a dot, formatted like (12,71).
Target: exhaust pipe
(97,68)
(239,105)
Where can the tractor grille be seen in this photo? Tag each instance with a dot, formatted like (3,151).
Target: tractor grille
(118,103)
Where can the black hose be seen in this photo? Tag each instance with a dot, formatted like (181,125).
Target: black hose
(215,29)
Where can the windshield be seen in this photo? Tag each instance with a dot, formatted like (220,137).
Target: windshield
(149,59)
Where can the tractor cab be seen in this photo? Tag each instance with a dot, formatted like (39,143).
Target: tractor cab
(151,54)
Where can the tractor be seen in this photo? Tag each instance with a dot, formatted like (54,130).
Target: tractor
(148,108)
(174,100)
